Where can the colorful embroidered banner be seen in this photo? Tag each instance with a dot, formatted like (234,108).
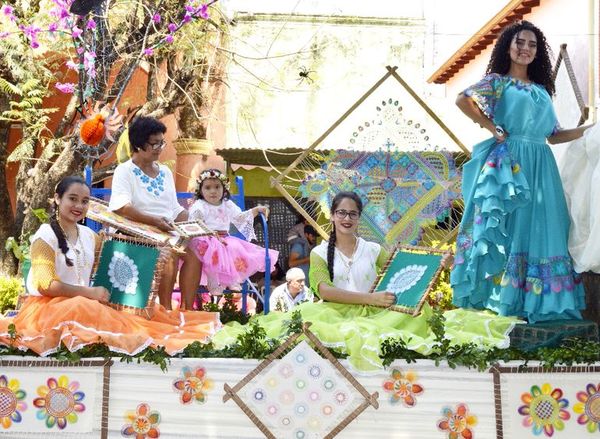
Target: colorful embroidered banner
(126,270)
(409,276)
(402,192)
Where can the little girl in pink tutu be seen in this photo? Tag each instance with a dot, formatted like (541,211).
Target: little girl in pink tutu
(227,261)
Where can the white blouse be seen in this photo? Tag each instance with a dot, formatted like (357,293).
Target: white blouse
(82,254)
(219,218)
(154,196)
(356,273)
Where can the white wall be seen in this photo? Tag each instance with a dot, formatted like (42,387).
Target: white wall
(270,105)
(562,21)
(345,44)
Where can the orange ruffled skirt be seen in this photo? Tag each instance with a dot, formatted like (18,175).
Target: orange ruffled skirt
(43,323)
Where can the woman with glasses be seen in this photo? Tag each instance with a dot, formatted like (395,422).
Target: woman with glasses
(143,190)
(342,271)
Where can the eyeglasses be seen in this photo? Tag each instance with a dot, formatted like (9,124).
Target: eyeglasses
(158,145)
(341,214)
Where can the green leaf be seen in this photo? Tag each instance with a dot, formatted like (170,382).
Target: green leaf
(9,89)
(41,214)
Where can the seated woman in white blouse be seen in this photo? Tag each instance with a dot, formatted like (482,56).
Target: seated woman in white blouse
(143,190)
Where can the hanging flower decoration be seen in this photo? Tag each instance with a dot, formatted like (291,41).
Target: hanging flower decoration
(11,402)
(544,409)
(403,387)
(143,423)
(193,386)
(457,423)
(588,407)
(103,123)
(59,402)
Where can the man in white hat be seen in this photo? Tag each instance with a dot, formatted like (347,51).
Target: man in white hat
(286,296)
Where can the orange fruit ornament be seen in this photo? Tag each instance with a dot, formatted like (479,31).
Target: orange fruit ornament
(92,130)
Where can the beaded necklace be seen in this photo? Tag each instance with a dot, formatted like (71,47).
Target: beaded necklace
(347,261)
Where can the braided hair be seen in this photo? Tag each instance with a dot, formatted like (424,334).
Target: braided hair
(332,237)
(540,69)
(60,190)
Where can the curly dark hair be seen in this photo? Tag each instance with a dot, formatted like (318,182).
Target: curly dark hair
(332,238)
(540,69)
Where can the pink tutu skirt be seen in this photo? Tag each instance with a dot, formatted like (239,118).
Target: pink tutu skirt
(229,261)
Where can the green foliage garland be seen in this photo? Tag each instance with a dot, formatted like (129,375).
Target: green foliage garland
(254,344)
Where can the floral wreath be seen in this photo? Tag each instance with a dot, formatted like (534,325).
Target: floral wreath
(213,173)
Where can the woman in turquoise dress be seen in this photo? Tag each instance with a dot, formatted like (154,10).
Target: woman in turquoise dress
(355,321)
(512,249)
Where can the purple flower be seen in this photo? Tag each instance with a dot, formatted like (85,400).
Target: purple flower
(189,8)
(52,27)
(172,27)
(30,31)
(80,50)
(91,24)
(203,12)
(187,18)
(169,39)
(76,32)
(156,18)
(4,34)
(65,87)
(72,65)
(89,57)
(8,11)
(61,14)
(64,13)
(89,63)
(148,51)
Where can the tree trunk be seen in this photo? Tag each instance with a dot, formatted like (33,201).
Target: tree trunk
(8,262)
(36,185)
(208,87)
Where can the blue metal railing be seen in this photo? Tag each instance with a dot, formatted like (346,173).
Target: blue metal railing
(238,199)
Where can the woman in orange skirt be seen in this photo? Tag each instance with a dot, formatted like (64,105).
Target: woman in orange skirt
(63,308)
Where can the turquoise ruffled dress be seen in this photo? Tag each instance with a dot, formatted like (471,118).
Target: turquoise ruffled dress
(512,248)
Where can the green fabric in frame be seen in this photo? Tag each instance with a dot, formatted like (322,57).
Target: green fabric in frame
(126,270)
(409,276)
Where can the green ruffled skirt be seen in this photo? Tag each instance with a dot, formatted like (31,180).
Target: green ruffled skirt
(358,330)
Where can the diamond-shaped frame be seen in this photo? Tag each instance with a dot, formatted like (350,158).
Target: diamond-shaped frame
(281,351)
(563,57)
